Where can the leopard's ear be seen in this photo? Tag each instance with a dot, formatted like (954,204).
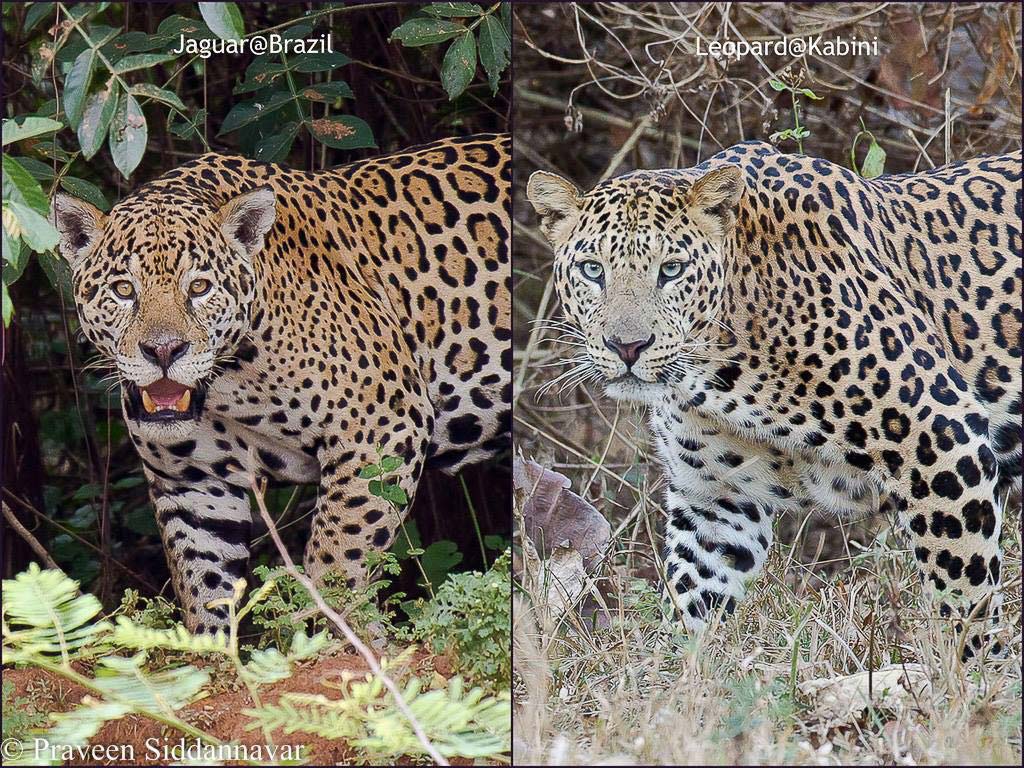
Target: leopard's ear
(557,202)
(717,195)
(246,219)
(79,225)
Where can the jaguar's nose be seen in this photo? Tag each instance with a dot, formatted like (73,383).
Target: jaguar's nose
(628,351)
(165,353)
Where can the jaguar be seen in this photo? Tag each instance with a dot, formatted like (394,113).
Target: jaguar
(273,323)
(806,338)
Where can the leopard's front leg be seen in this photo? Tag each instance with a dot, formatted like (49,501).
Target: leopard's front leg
(950,508)
(722,499)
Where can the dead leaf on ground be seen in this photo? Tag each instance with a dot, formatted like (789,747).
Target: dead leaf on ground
(555,516)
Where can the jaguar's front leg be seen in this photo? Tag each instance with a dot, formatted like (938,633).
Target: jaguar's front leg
(722,499)
(206,527)
(351,521)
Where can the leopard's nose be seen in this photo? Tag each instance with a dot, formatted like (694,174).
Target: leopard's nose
(628,351)
(165,353)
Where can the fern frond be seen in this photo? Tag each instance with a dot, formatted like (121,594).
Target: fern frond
(128,634)
(45,614)
(469,724)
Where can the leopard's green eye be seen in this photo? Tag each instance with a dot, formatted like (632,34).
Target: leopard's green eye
(592,270)
(670,270)
(123,289)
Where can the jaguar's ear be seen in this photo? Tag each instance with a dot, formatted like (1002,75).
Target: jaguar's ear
(247,218)
(557,202)
(79,225)
(717,194)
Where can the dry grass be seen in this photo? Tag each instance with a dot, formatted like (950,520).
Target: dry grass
(606,87)
(641,692)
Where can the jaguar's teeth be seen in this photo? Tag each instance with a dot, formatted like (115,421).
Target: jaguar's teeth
(147,402)
(183,402)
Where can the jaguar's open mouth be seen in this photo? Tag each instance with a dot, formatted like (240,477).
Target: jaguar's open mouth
(164,400)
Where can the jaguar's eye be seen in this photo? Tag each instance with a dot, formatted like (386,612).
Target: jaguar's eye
(670,270)
(592,270)
(123,289)
(199,287)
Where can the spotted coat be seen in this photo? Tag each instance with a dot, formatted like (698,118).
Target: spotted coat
(804,338)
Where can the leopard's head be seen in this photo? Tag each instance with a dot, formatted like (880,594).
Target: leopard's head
(639,268)
(164,286)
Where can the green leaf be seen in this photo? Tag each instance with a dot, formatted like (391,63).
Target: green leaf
(142,61)
(36,13)
(376,488)
(39,170)
(36,231)
(327,92)
(810,94)
(248,112)
(420,31)
(777,85)
(76,86)
(390,463)
(28,128)
(275,148)
(369,471)
(150,91)
(128,135)
(343,132)
(261,74)
(99,111)
(495,49)
(394,494)
(459,65)
(185,127)
(874,162)
(454,10)
(320,62)
(58,273)
(8,306)
(85,190)
(223,19)
(20,187)
(173,27)
(14,265)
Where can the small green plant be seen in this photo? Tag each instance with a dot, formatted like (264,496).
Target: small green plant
(799,131)
(874,161)
(470,617)
(379,484)
(286,609)
(19,715)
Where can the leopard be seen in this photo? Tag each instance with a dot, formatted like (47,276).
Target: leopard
(283,326)
(805,339)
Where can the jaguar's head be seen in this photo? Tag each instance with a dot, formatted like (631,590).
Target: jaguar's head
(164,286)
(639,268)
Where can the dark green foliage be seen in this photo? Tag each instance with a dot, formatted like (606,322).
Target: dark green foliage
(471,618)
